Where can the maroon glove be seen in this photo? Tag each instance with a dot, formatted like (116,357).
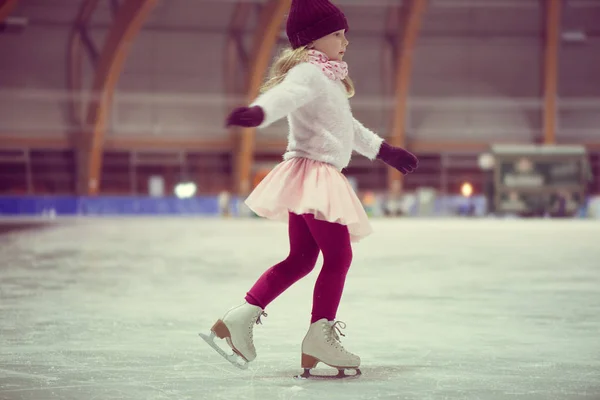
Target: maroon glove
(246,116)
(404,161)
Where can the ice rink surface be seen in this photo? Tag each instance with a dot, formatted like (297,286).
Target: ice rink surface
(437,309)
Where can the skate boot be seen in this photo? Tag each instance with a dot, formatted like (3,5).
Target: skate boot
(322,344)
(236,327)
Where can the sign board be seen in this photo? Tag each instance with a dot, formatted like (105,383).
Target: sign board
(533,180)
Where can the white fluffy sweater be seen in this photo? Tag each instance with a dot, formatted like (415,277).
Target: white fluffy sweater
(321,124)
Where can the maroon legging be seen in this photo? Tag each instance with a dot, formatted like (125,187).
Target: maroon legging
(307,236)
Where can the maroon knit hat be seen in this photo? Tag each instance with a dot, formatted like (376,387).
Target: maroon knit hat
(310,20)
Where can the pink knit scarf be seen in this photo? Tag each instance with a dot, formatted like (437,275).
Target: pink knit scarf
(333,69)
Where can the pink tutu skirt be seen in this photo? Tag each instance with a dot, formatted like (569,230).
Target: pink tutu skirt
(304,186)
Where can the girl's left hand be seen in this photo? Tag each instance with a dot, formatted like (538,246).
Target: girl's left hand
(403,160)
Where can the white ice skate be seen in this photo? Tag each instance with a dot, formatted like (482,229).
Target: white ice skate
(236,327)
(322,344)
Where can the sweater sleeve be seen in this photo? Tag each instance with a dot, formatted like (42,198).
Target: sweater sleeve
(299,87)
(366,142)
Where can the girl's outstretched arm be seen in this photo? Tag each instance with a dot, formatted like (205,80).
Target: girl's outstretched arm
(300,86)
(366,142)
(370,145)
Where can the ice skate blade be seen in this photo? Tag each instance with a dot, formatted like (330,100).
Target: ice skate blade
(341,374)
(234,358)
(309,362)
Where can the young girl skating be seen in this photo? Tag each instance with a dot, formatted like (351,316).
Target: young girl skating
(309,84)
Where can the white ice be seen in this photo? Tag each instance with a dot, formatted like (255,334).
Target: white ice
(437,309)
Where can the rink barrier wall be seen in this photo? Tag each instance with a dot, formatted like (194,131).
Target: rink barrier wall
(99,206)
(209,206)
(200,205)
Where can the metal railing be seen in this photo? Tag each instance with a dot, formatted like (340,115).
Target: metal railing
(47,112)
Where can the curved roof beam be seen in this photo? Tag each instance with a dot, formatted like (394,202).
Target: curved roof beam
(129,20)
(75,57)
(263,43)
(6,7)
(402,80)
(552,42)
(235,57)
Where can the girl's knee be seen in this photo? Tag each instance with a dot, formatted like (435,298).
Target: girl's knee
(347,256)
(340,257)
(305,260)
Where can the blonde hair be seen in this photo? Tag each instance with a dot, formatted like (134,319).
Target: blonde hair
(288,59)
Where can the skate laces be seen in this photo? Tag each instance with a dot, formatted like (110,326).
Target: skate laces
(333,335)
(336,329)
(258,321)
(262,314)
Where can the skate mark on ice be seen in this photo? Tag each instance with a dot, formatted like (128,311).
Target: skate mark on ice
(368,372)
(106,384)
(28,375)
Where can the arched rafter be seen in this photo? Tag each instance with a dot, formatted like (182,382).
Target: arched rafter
(552,43)
(235,55)
(129,19)
(403,64)
(264,41)
(75,59)
(7,7)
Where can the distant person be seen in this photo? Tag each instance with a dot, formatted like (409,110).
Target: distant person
(309,84)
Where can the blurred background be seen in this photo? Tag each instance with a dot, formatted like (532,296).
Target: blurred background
(118,106)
